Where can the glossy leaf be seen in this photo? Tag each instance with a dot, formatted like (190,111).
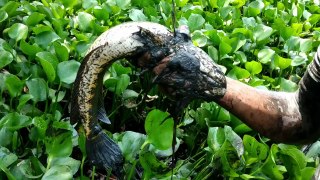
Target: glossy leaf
(253,67)
(281,62)
(58,172)
(130,144)
(266,55)
(67,71)
(13,84)
(18,31)
(195,22)
(159,129)
(37,89)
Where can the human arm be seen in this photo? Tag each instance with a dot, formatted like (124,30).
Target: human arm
(282,117)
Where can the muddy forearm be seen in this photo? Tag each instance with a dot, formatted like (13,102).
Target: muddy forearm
(273,114)
(283,117)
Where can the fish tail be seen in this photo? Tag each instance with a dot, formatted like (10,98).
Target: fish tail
(105,153)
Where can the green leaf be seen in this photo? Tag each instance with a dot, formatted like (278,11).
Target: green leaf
(11,8)
(85,20)
(151,164)
(269,167)
(18,31)
(240,56)
(123,4)
(235,140)
(262,32)
(62,125)
(44,39)
(5,58)
(15,121)
(49,63)
(58,172)
(159,129)
(293,159)
(28,168)
(314,150)
(67,71)
(265,55)
(28,49)
(6,157)
(306,45)
(128,94)
(13,84)
(130,145)
(88,3)
(5,137)
(122,84)
(61,51)
(308,173)
(82,143)
(56,97)
(238,73)
(281,62)
(3,15)
(253,67)
(255,8)
(195,22)
(216,138)
(254,151)
(224,48)
(41,126)
(213,53)
(137,15)
(287,85)
(198,38)
(23,100)
(66,161)
(34,18)
(38,89)
(60,146)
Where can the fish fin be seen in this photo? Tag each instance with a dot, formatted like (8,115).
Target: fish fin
(103,152)
(102,115)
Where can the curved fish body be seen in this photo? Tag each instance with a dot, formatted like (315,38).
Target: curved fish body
(132,41)
(183,70)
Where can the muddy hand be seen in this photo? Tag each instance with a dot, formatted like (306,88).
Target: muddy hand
(189,73)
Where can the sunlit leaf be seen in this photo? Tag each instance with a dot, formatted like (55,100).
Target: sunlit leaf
(18,31)
(281,62)
(265,55)
(199,39)
(253,67)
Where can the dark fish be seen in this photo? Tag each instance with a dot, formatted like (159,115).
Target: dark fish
(131,41)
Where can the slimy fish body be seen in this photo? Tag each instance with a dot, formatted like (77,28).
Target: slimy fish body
(182,70)
(130,41)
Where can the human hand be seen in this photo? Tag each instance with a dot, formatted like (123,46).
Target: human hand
(189,73)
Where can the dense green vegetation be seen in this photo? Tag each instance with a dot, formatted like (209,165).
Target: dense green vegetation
(266,44)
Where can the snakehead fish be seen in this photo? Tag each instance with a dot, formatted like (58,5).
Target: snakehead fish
(174,59)
(133,41)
